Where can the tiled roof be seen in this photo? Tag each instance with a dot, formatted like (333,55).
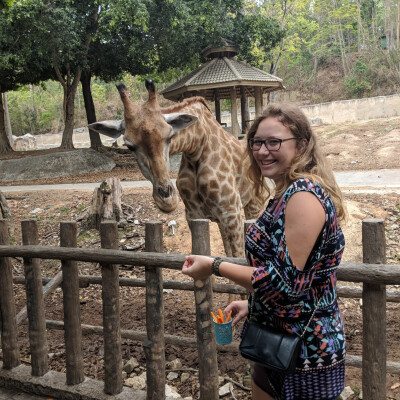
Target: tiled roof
(220,75)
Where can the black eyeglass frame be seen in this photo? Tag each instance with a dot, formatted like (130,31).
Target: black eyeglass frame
(265,143)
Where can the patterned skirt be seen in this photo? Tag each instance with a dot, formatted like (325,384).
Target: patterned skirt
(316,384)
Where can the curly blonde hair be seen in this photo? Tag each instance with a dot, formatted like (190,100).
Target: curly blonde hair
(309,161)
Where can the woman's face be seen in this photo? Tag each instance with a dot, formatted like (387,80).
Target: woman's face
(273,164)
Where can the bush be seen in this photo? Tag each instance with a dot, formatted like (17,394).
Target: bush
(358,83)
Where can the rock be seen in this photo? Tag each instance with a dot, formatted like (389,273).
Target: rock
(54,165)
(174,364)
(172,376)
(185,376)
(24,143)
(130,365)
(137,382)
(226,389)
(316,121)
(347,394)
(170,392)
(247,381)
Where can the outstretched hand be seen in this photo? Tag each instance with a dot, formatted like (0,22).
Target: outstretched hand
(239,310)
(198,267)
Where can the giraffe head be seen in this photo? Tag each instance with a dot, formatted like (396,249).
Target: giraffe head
(148,133)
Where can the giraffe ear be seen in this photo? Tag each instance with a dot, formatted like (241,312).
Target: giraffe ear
(111,128)
(179,121)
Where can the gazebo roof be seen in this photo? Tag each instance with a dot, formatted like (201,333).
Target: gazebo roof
(218,76)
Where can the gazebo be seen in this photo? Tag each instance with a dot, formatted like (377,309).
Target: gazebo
(224,77)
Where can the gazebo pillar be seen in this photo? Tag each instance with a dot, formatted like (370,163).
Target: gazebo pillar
(244,105)
(258,101)
(217,107)
(234,117)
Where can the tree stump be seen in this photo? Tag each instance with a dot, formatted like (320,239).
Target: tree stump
(106,204)
(5,213)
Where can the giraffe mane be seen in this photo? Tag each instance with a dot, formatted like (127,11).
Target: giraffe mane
(187,102)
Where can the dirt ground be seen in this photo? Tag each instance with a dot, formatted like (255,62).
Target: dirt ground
(357,146)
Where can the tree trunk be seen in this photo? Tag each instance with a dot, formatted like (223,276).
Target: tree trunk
(69,113)
(5,213)
(398,26)
(342,51)
(34,120)
(106,204)
(95,141)
(5,146)
(8,121)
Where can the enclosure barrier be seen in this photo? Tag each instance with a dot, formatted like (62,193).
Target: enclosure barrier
(373,273)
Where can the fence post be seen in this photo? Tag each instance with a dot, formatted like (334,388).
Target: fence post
(111,313)
(72,311)
(208,365)
(154,345)
(374,314)
(35,302)
(9,331)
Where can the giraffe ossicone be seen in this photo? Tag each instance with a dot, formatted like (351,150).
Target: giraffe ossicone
(211,179)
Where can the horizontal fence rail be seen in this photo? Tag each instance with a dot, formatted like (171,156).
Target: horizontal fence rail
(349,292)
(374,273)
(385,274)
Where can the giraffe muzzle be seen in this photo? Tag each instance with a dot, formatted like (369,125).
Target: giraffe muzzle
(165,197)
(165,192)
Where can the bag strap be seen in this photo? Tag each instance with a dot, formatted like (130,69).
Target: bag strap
(308,323)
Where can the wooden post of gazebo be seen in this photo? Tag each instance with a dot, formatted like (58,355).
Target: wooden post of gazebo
(244,103)
(234,118)
(217,106)
(258,100)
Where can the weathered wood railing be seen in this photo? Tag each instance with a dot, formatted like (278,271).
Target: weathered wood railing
(374,277)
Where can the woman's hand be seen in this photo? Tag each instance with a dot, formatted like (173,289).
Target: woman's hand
(239,310)
(198,267)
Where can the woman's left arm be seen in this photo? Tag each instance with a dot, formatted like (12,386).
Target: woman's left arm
(199,267)
(304,220)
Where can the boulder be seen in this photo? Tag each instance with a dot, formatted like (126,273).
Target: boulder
(54,165)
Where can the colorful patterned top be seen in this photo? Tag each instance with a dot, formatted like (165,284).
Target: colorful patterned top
(285,297)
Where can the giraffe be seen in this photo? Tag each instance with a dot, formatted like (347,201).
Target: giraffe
(210,181)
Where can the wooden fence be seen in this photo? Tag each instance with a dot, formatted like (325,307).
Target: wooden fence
(373,273)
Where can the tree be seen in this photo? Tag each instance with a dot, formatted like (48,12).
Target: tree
(79,40)
(19,63)
(115,48)
(70,30)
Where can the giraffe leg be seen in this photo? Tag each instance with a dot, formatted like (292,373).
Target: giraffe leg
(233,240)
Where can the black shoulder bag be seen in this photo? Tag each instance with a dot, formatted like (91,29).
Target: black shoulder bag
(277,351)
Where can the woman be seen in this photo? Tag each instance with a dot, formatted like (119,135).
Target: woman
(294,249)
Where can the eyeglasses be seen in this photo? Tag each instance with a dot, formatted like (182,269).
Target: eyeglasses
(270,144)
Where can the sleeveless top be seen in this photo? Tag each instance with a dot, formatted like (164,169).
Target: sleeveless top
(285,297)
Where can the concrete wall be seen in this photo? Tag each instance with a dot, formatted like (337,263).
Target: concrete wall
(355,110)
(346,110)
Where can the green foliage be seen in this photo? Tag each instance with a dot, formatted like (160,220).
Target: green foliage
(358,83)
(258,35)
(4,4)
(36,109)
